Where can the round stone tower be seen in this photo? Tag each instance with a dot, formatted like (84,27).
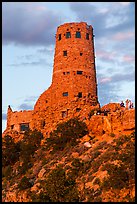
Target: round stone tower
(74,71)
(73,91)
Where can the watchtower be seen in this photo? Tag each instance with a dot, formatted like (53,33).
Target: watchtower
(73,91)
(74,71)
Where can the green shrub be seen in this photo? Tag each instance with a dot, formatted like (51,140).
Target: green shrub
(118,178)
(24,183)
(10,151)
(6,171)
(97,181)
(59,188)
(66,133)
(112,134)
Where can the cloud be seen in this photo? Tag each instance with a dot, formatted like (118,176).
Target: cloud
(128,77)
(105,80)
(4,116)
(25,106)
(31,99)
(106,55)
(114,18)
(32,63)
(108,92)
(128,58)
(123,36)
(124,3)
(28,24)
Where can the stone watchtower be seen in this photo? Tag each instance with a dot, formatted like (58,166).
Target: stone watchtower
(74,88)
(73,91)
(74,61)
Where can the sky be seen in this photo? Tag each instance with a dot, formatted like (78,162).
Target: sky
(28,42)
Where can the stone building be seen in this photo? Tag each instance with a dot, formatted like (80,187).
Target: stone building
(73,91)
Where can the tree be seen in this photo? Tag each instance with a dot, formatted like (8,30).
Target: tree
(10,151)
(67,132)
(59,188)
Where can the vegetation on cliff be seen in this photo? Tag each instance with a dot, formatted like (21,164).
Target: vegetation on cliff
(64,169)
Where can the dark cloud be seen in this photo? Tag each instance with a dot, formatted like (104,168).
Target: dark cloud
(99,20)
(4,116)
(25,106)
(28,24)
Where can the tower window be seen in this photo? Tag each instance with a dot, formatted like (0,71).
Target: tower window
(79,72)
(59,37)
(66,73)
(24,126)
(64,114)
(78,34)
(80,94)
(68,35)
(12,127)
(78,109)
(43,123)
(87,36)
(65,53)
(81,53)
(65,94)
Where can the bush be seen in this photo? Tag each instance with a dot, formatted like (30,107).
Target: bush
(67,133)
(97,181)
(6,171)
(29,144)
(59,188)
(24,183)
(112,134)
(10,151)
(118,178)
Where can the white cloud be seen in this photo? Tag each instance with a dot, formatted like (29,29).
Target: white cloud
(124,3)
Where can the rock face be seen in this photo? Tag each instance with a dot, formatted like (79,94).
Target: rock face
(117,120)
(74,87)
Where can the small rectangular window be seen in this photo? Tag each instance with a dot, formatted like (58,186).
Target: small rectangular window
(80,94)
(12,127)
(65,94)
(68,35)
(24,126)
(87,36)
(59,37)
(81,53)
(79,72)
(43,123)
(78,34)
(66,73)
(64,114)
(78,109)
(65,53)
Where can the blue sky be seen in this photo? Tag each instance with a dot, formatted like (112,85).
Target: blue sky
(28,42)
